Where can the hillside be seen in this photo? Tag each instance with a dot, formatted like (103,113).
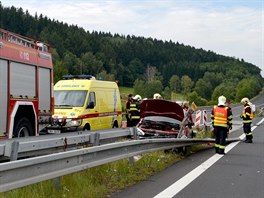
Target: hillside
(130,58)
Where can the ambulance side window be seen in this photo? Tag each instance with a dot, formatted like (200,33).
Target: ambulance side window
(91,101)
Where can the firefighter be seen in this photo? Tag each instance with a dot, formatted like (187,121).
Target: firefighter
(229,109)
(222,118)
(247,117)
(189,121)
(134,110)
(128,102)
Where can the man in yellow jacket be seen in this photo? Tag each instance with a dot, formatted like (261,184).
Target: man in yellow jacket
(247,117)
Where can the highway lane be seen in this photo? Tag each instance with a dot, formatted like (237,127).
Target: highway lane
(238,108)
(240,173)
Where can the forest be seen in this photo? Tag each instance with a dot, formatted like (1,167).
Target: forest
(146,64)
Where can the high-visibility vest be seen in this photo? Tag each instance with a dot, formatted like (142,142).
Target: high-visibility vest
(220,116)
(245,119)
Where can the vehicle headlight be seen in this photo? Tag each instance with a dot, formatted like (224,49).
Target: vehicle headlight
(74,123)
(140,132)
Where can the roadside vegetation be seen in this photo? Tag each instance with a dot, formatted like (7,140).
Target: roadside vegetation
(102,181)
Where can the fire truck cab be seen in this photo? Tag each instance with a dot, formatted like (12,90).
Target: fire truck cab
(26,86)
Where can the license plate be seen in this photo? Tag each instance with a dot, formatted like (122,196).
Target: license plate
(54,131)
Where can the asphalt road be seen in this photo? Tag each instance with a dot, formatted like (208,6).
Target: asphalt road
(238,174)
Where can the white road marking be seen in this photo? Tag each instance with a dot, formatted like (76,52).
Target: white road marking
(176,187)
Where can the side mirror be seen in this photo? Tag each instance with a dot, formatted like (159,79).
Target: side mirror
(90,105)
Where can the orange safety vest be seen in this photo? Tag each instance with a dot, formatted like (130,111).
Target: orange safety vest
(220,116)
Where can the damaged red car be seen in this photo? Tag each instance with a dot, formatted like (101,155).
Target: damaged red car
(159,118)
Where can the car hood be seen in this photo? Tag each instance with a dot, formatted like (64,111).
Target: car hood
(157,107)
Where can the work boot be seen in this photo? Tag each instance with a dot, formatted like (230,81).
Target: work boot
(248,141)
(221,151)
(216,150)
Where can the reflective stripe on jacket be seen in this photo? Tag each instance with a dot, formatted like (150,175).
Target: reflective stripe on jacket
(247,114)
(220,116)
(134,111)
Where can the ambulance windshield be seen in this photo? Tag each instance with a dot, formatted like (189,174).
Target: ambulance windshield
(69,98)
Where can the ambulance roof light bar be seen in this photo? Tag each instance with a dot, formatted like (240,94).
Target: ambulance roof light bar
(68,77)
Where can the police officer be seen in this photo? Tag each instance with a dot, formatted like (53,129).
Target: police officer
(247,117)
(134,110)
(222,118)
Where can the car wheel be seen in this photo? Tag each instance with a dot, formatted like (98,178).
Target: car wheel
(181,150)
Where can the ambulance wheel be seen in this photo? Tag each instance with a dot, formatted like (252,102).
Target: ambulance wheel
(86,127)
(23,128)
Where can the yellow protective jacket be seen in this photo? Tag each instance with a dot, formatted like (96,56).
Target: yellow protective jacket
(247,114)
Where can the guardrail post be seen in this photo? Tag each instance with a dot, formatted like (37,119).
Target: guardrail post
(207,128)
(133,132)
(57,183)
(11,150)
(131,160)
(96,139)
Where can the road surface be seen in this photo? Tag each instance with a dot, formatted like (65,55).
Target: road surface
(238,174)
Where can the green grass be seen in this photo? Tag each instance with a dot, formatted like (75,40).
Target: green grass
(99,181)
(177,97)
(124,91)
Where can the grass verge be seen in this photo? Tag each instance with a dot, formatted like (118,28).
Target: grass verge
(103,180)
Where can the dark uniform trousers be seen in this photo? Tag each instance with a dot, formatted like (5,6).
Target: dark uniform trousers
(220,139)
(247,131)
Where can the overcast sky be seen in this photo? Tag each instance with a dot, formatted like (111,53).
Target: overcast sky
(229,27)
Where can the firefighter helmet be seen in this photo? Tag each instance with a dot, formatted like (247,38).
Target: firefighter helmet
(245,101)
(137,97)
(185,104)
(157,96)
(221,100)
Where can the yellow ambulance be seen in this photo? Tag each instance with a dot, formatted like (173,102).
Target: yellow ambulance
(84,103)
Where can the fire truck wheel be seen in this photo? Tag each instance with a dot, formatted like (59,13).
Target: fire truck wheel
(23,128)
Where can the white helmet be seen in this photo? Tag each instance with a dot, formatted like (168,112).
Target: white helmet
(137,97)
(245,101)
(157,96)
(185,104)
(221,100)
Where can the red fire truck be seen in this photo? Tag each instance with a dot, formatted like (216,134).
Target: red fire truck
(26,86)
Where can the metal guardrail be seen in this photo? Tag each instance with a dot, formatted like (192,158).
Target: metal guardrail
(24,172)
(46,144)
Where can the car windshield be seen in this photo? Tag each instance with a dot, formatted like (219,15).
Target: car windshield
(72,98)
(162,119)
